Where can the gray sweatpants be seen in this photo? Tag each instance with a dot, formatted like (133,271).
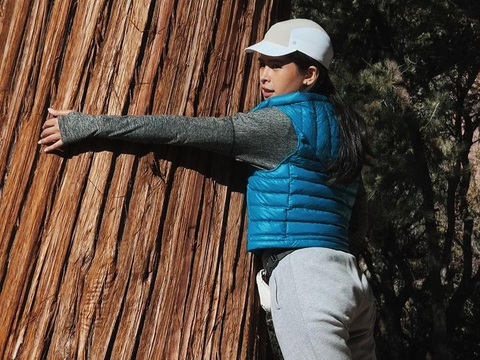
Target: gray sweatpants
(322,306)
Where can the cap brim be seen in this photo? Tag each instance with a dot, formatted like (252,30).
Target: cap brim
(269,49)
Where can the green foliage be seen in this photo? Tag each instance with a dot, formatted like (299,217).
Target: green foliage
(413,70)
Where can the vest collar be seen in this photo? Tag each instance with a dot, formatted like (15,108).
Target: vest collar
(291,98)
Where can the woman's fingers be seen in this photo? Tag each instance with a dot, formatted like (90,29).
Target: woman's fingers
(50,124)
(55,146)
(49,130)
(49,138)
(50,127)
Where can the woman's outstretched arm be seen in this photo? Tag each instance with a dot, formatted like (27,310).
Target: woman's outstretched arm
(262,138)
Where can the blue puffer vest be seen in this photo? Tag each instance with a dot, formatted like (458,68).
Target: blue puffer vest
(291,206)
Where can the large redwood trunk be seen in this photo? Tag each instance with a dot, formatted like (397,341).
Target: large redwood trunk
(119,251)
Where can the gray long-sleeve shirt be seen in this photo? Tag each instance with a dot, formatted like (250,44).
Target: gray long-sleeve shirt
(262,138)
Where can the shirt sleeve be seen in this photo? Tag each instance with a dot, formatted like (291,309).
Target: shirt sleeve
(262,138)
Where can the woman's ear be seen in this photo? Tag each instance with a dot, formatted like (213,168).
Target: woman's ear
(313,75)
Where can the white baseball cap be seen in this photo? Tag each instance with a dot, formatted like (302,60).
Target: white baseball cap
(302,35)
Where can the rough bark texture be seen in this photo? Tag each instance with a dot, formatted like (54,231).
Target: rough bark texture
(116,251)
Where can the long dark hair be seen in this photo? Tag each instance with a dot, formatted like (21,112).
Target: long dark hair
(354,150)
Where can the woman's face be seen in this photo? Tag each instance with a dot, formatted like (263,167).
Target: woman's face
(279,75)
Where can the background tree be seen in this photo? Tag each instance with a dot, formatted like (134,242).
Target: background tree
(116,251)
(412,68)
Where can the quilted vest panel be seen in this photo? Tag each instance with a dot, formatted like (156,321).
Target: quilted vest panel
(292,206)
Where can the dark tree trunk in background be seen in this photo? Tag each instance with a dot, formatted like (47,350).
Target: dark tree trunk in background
(113,250)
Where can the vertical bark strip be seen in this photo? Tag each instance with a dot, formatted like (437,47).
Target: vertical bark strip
(118,251)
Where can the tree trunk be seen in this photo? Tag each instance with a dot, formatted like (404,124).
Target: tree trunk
(112,250)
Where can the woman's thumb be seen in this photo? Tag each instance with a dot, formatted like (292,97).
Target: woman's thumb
(55,112)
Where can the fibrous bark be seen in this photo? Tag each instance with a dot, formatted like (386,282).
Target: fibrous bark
(113,250)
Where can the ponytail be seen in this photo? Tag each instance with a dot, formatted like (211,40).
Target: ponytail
(353,149)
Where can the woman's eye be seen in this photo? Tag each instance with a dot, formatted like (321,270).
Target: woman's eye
(262,64)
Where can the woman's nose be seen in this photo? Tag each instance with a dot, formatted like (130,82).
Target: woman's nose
(264,74)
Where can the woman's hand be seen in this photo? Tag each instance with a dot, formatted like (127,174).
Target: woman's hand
(50,135)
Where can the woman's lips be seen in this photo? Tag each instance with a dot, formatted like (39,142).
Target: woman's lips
(267,93)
